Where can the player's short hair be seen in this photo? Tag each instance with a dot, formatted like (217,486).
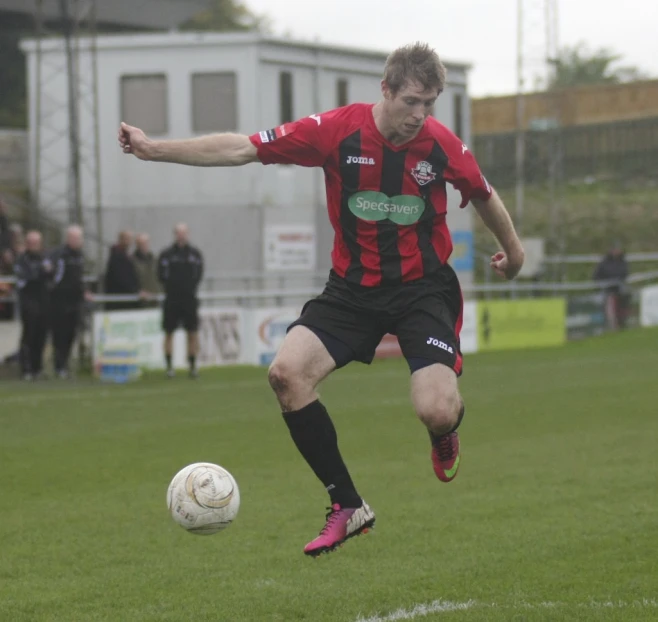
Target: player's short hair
(417,62)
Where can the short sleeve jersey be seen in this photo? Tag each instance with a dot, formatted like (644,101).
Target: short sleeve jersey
(387,203)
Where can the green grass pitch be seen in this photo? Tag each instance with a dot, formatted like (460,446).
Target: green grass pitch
(554,515)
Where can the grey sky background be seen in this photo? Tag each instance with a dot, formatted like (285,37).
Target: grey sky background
(481,32)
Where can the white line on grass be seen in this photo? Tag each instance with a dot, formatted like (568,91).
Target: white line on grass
(445,606)
(419,611)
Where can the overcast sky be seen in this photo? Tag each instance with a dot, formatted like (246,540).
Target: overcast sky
(480,32)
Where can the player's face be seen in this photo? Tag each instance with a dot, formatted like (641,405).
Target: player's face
(407,109)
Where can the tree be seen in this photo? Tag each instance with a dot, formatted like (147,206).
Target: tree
(227,15)
(578,65)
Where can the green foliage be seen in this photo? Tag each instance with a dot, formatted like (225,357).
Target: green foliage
(579,66)
(555,502)
(591,216)
(227,16)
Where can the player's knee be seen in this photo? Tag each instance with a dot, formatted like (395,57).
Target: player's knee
(282,377)
(440,414)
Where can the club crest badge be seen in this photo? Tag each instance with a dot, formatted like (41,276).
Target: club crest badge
(423,173)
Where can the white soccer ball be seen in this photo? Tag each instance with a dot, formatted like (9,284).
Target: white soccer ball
(203,498)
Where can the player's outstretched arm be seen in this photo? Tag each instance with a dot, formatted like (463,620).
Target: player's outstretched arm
(497,219)
(210,150)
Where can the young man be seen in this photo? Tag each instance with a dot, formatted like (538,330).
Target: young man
(386,166)
(180,270)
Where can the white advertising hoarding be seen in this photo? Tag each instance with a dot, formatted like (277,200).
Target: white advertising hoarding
(289,248)
(141,329)
(227,336)
(221,337)
(649,306)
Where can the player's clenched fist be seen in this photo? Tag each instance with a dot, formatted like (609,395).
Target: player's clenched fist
(507,266)
(133,140)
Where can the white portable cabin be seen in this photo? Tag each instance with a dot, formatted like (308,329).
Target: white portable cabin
(178,85)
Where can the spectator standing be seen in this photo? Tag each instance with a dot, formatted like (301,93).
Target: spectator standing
(67,296)
(32,275)
(16,239)
(121,274)
(614,267)
(6,288)
(4,226)
(180,269)
(147,270)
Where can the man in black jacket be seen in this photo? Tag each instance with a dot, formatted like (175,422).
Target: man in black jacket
(613,268)
(180,269)
(32,274)
(67,296)
(121,274)
(4,227)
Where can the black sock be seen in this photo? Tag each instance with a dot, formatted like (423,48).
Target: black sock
(315,436)
(436,438)
(192,361)
(168,359)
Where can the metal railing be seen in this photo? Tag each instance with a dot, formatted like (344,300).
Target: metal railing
(594,259)
(249,288)
(278,295)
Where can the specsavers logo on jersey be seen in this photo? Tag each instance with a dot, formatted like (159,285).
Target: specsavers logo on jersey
(403,209)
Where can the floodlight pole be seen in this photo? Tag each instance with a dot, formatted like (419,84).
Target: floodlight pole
(97,140)
(556,165)
(36,197)
(520,130)
(75,205)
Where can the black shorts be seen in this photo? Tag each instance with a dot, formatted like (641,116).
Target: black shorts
(178,312)
(425,315)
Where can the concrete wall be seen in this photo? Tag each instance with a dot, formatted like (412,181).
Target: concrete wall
(575,106)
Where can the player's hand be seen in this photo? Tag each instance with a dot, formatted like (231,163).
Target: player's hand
(505,266)
(89,297)
(133,140)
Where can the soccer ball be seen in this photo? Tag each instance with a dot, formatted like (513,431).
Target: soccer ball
(203,498)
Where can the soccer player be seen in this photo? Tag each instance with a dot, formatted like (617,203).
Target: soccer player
(180,269)
(386,166)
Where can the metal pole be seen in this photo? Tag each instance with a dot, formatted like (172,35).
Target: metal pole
(36,198)
(551,133)
(560,154)
(520,136)
(97,148)
(75,206)
(556,229)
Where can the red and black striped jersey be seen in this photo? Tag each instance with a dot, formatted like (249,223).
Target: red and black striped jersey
(387,203)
